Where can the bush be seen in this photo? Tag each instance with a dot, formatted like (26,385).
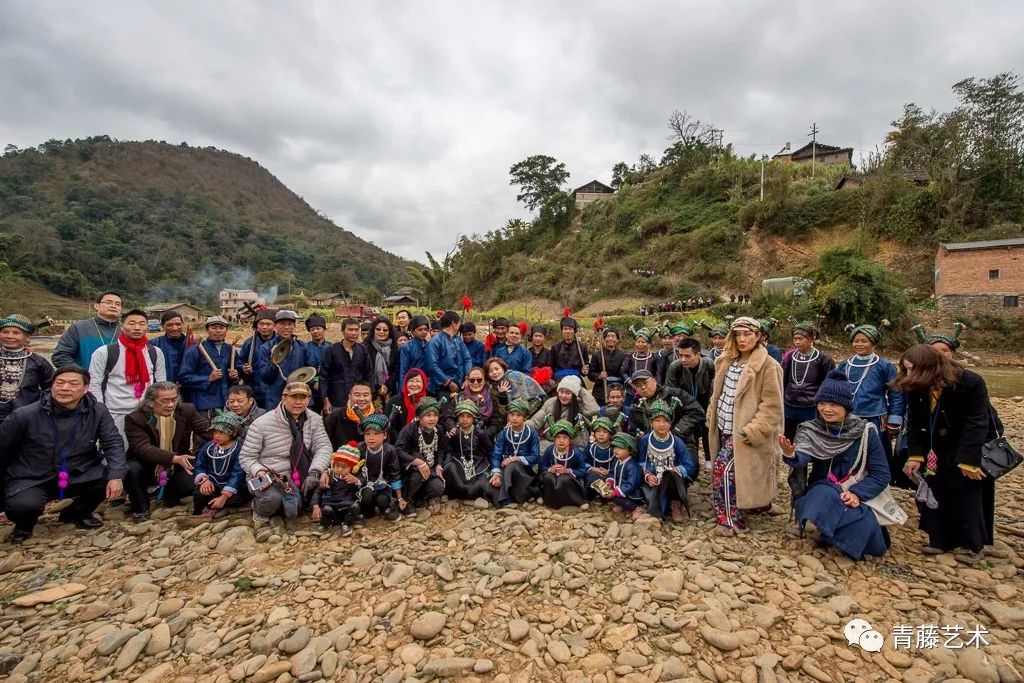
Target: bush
(850,288)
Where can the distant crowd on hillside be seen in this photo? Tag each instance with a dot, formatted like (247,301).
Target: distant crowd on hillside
(403,411)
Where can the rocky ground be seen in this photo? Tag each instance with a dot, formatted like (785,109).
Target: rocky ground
(462,593)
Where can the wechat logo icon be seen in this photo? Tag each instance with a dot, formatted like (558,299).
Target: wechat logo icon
(859,632)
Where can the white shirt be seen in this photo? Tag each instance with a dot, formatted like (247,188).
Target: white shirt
(120,396)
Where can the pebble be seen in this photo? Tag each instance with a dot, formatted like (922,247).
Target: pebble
(159,640)
(428,625)
(619,594)
(131,650)
(362,558)
(651,553)
(559,651)
(518,629)
(295,641)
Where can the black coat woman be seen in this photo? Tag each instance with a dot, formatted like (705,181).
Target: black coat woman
(948,422)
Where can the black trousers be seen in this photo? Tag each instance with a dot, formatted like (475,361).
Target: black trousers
(671,487)
(518,484)
(25,506)
(373,502)
(560,490)
(460,488)
(142,475)
(966,512)
(417,489)
(341,512)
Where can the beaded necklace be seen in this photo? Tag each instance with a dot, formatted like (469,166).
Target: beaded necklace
(805,360)
(865,368)
(560,460)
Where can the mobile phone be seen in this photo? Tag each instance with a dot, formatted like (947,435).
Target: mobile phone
(260,482)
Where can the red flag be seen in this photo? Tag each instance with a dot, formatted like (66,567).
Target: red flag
(438,314)
(489,341)
(523,327)
(467,303)
(565,312)
(598,324)
(190,338)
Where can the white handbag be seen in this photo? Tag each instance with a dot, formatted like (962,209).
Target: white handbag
(887,511)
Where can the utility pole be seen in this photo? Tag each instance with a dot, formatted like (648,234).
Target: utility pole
(814,145)
(764,158)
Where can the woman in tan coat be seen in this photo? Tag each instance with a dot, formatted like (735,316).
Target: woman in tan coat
(744,422)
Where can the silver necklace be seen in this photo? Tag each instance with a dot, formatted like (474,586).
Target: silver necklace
(805,360)
(661,456)
(468,464)
(428,450)
(380,474)
(865,368)
(220,456)
(598,462)
(563,461)
(517,442)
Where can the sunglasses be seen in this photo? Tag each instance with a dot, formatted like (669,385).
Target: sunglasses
(476,380)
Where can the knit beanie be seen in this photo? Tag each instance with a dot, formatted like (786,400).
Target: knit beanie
(571,383)
(836,389)
(348,454)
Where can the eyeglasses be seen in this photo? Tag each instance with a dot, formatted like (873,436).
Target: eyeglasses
(110,302)
(476,380)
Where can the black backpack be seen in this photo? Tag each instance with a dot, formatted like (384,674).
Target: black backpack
(113,353)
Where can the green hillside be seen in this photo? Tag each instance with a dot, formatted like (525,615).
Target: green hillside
(158,221)
(697,218)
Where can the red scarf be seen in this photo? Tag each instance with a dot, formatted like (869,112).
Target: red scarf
(411,401)
(135,370)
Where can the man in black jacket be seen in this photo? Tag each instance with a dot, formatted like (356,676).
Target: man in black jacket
(49,451)
(694,374)
(687,418)
(163,435)
(342,365)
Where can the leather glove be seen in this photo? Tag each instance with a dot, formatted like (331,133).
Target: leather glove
(311,483)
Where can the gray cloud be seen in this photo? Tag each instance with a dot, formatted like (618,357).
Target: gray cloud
(400,119)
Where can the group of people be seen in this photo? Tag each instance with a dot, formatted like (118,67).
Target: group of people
(677,306)
(399,413)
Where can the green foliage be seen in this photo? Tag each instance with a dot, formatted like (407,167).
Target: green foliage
(849,287)
(539,177)
(243,584)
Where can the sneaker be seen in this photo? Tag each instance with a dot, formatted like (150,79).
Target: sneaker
(391,514)
(323,529)
(932,550)
(259,520)
(139,517)
(346,530)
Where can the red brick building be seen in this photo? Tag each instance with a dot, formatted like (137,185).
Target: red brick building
(981,277)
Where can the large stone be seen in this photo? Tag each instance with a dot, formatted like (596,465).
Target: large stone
(651,553)
(721,640)
(448,666)
(617,636)
(303,662)
(518,629)
(974,665)
(559,651)
(296,641)
(49,595)
(159,640)
(514,576)
(1004,615)
(619,594)
(362,558)
(113,641)
(131,650)
(398,575)
(237,540)
(411,654)
(428,625)
(669,581)
(270,672)
(157,674)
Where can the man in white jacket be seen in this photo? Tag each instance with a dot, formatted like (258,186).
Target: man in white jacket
(287,449)
(122,370)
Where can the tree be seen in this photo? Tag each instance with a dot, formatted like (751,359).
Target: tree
(619,173)
(429,281)
(689,130)
(539,177)
(851,288)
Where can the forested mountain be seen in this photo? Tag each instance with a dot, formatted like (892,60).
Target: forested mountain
(155,220)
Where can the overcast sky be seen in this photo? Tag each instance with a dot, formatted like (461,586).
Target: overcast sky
(400,120)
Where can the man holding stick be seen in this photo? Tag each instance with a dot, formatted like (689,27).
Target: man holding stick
(207,369)
(263,333)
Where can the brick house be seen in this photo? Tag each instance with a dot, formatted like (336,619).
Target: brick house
(983,276)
